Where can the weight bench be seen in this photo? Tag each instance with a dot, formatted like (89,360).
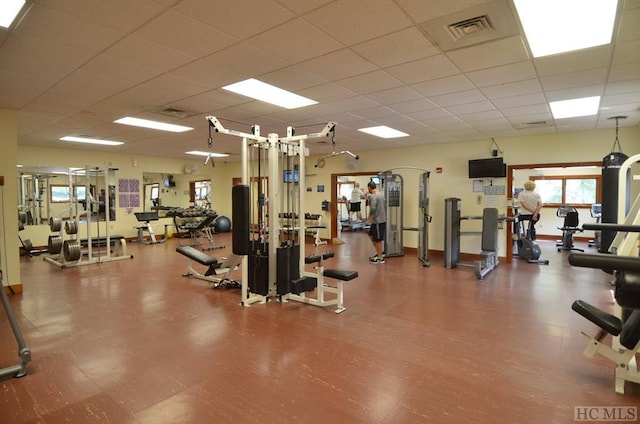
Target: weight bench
(195,228)
(316,280)
(217,273)
(146,218)
(624,328)
(629,337)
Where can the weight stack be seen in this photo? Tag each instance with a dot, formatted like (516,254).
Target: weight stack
(258,271)
(610,174)
(288,267)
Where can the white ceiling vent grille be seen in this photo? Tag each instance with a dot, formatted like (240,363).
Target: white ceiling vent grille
(532,124)
(470,26)
(478,24)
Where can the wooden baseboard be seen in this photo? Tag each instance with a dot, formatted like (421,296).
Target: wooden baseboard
(13,289)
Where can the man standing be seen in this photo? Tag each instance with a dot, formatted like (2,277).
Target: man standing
(377,220)
(355,204)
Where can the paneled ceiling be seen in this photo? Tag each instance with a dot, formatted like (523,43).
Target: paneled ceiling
(72,67)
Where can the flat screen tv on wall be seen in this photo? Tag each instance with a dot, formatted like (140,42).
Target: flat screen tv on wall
(487,168)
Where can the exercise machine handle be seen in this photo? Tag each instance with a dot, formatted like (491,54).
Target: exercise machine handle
(612,227)
(605,262)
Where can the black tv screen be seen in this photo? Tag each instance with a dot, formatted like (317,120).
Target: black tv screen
(487,168)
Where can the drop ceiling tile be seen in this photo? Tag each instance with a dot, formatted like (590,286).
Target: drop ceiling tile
(459,98)
(491,54)
(245,58)
(370,82)
(295,41)
(417,105)
(466,108)
(352,22)
(185,34)
(624,72)
(327,92)
(25,54)
(430,68)
(339,64)
(595,57)
(622,98)
(145,53)
(530,86)
(375,113)
(575,92)
(452,84)
(528,113)
(122,18)
(303,6)
(626,53)
(623,87)
(59,27)
(353,104)
(19,89)
(293,78)
(523,100)
(210,71)
(629,28)
(394,95)
(242,19)
(503,74)
(575,79)
(399,47)
(425,116)
(485,115)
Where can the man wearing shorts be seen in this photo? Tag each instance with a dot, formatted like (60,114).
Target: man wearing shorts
(377,220)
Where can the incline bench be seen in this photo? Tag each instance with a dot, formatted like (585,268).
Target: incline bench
(217,273)
(146,218)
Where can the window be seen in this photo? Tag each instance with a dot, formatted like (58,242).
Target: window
(59,193)
(575,190)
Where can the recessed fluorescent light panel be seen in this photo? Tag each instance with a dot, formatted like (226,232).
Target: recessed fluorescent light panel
(154,125)
(9,9)
(269,94)
(91,141)
(559,26)
(384,132)
(213,155)
(573,108)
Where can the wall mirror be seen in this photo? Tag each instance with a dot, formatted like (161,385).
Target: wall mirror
(52,192)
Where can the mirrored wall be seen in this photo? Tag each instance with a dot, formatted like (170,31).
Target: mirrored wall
(45,193)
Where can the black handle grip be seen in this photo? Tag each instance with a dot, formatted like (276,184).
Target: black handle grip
(605,262)
(612,227)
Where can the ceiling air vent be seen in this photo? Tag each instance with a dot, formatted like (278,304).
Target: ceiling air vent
(173,112)
(470,26)
(479,24)
(532,124)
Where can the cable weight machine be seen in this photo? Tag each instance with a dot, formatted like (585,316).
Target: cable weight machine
(393,189)
(267,205)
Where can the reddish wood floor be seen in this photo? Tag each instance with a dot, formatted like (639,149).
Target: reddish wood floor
(135,342)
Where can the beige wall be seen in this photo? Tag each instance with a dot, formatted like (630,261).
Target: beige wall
(9,254)
(452,182)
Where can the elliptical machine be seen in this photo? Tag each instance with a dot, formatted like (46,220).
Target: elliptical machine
(526,248)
